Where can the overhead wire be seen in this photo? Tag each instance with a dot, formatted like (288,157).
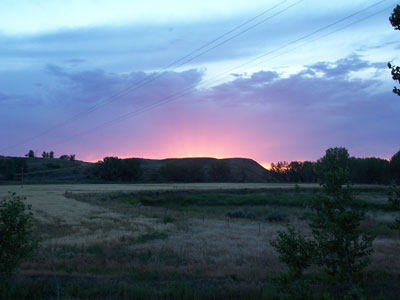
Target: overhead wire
(191,88)
(161,73)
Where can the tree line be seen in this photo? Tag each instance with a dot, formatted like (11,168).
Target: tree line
(116,169)
(369,170)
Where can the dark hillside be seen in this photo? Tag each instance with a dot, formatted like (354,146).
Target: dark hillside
(42,170)
(203,169)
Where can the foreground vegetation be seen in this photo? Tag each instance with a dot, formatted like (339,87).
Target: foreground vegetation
(193,245)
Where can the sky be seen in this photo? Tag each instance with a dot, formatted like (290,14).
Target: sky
(268,80)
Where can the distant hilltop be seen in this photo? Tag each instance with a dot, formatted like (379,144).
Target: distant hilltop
(202,169)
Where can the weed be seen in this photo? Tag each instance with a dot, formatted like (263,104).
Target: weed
(152,236)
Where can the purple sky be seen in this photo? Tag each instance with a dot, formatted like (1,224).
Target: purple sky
(91,79)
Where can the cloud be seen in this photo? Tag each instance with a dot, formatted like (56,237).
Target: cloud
(318,107)
(322,85)
(265,115)
(92,86)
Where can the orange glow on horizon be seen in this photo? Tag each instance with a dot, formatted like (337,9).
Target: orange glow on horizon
(266,165)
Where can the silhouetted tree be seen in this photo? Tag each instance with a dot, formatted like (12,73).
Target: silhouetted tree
(68,157)
(294,171)
(114,169)
(30,154)
(308,172)
(395,167)
(51,155)
(279,171)
(130,169)
(108,168)
(395,70)
(369,170)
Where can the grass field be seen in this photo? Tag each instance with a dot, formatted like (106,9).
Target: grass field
(175,240)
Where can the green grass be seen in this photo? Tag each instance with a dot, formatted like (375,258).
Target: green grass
(223,199)
(198,201)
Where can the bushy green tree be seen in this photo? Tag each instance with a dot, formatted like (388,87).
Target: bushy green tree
(337,243)
(16,231)
(395,70)
(341,246)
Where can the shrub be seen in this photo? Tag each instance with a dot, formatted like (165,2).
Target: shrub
(250,215)
(296,251)
(241,214)
(16,231)
(274,216)
(237,213)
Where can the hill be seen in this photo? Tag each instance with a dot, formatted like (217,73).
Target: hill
(47,170)
(43,170)
(203,169)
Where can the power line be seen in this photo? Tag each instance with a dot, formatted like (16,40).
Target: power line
(309,41)
(302,38)
(160,73)
(334,31)
(189,89)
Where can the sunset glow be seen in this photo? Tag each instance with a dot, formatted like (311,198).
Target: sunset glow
(105,83)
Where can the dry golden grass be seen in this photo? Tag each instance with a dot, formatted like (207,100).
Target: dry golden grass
(209,247)
(87,223)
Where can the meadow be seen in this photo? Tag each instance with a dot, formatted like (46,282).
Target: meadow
(168,241)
